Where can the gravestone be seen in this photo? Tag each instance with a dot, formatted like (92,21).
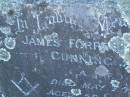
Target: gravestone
(62,49)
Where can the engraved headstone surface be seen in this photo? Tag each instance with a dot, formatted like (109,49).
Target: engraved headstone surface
(64,48)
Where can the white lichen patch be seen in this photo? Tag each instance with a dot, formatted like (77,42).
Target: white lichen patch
(10,42)
(117,44)
(10,9)
(126,37)
(121,45)
(76,92)
(115,84)
(10,20)
(127,68)
(4,6)
(4,55)
(124,6)
(102,71)
(5,30)
(127,56)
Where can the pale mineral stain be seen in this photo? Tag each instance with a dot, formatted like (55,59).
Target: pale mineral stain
(69,82)
(102,71)
(103,48)
(4,55)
